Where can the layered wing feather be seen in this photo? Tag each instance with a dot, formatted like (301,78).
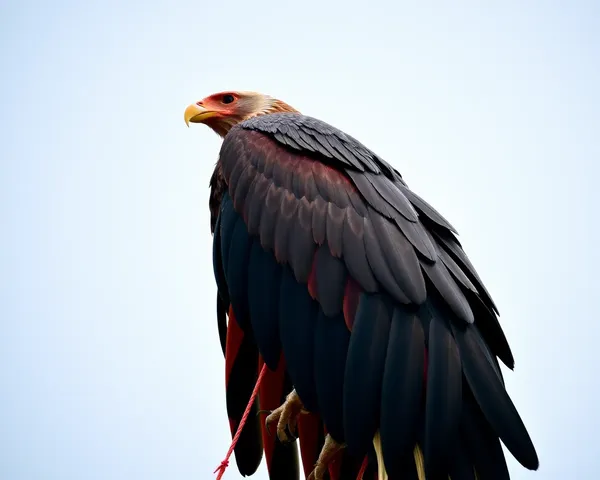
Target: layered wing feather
(334,266)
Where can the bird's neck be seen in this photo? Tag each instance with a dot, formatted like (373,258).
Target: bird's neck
(279,106)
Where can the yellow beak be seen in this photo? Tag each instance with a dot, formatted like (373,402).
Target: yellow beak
(196,114)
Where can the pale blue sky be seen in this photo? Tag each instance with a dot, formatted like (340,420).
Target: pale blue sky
(110,366)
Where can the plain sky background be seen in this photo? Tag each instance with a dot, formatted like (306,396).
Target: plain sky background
(110,365)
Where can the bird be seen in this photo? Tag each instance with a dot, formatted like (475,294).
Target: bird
(381,343)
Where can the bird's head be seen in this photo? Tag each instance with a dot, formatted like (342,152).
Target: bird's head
(221,111)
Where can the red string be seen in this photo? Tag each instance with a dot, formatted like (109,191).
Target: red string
(363,469)
(225,463)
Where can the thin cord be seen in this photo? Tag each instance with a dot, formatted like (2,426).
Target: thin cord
(225,463)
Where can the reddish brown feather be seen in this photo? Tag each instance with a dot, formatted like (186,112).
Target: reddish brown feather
(291,170)
(309,434)
(270,395)
(351,296)
(335,467)
(363,468)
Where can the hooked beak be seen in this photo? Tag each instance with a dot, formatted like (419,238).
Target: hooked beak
(195,113)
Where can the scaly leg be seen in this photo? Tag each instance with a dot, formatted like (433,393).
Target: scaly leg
(328,452)
(286,416)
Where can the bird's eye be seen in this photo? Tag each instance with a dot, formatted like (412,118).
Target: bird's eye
(228,98)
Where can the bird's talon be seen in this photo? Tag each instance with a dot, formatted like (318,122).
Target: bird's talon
(328,453)
(286,417)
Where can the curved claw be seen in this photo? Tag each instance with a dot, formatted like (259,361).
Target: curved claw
(268,412)
(267,422)
(291,436)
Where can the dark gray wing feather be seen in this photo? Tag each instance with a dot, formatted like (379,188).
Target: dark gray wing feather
(338,215)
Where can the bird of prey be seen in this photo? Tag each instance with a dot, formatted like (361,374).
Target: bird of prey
(381,342)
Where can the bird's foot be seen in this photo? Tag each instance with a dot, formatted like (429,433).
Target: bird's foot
(286,417)
(328,453)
